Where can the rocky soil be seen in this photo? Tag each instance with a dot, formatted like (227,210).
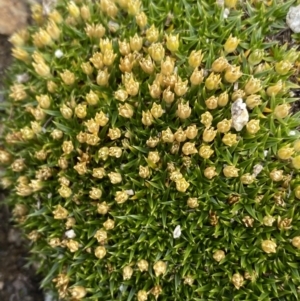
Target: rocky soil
(17,281)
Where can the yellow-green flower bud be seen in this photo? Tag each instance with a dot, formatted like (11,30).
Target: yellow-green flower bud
(160,268)
(224,126)
(283,67)
(172,42)
(206,119)
(297,192)
(229,139)
(147,118)
(237,279)
(167,66)
(102,208)
(296,162)
(168,96)
(141,20)
(197,77)
(223,99)
(285,153)
(144,172)
(80,111)
(183,110)
(195,58)
(282,111)
(125,110)
(152,34)
(269,246)
(85,13)
(253,126)
(230,171)
(95,193)
(253,101)
(252,86)
(191,131)
(147,65)
(213,81)
(231,44)
(97,60)
(212,102)
(210,172)
(219,255)
(232,74)
(127,272)
(209,134)
(192,203)
(68,77)
(219,65)
(136,43)
(167,136)
(205,151)
(100,252)
(275,89)
(230,3)
(189,148)
(60,212)
(276,175)
(156,110)
(109,224)
(157,52)
(247,178)
(87,68)
(256,57)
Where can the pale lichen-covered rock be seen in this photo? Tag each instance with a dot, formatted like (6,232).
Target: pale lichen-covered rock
(239,114)
(13,16)
(293,18)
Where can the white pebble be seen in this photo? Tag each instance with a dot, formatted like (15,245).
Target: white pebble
(58,53)
(239,114)
(293,18)
(177,232)
(70,233)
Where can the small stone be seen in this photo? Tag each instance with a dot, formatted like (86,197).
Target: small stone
(13,16)
(293,18)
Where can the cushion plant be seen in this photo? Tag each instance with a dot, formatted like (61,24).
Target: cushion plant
(151,152)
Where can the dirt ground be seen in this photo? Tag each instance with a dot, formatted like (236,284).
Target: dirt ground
(17,282)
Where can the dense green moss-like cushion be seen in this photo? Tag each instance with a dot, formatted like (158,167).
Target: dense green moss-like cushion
(151,152)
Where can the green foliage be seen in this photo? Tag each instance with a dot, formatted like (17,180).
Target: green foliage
(121,170)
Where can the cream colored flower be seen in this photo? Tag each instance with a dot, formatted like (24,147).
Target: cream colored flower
(143,265)
(182,185)
(121,197)
(72,245)
(127,272)
(209,134)
(154,157)
(160,268)
(115,177)
(189,148)
(100,252)
(230,171)
(205,151)
(219,255)
(60,212)
(269,246)
(95,193)
(144,171)
(229,139)
(102,208)
(65,191)
(114,134)
(109,224)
